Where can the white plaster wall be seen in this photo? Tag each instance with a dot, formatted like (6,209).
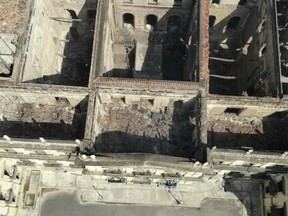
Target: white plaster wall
(47,39)
(160,3)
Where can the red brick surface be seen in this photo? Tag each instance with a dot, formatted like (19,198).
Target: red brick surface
(204,55)
(120,82)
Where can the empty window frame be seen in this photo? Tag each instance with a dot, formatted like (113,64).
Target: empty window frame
(151,20)
(153,2)
(128,18)
(234,110)
(215,1)
(212,20)
(242,2)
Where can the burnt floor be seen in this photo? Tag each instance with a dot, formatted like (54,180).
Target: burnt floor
(138,128)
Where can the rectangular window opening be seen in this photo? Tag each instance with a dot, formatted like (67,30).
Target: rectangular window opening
(234,110)
(153,2)
(128,1)
(151,101)
(123,100)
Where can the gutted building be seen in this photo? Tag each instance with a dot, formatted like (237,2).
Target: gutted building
(147,40)
(59,43)
(162,97)
(247,105)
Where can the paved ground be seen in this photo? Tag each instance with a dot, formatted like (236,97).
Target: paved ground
(167,130)
(59,204)
(13,15)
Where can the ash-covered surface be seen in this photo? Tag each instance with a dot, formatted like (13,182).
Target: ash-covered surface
(61,121)
(232,131)
(14,15)
(137,128)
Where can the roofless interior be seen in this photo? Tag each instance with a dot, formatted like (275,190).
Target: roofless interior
(159,42)
(243,51)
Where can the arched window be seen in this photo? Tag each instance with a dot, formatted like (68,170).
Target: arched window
(72,14)
(128,18)
(233,23)
(151,20)
(212,20)
(242,2)
(215,1)
(174,23)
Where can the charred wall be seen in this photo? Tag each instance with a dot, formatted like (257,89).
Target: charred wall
(243,46)
(34,113)
(147,40)
(151,123)
(256,124)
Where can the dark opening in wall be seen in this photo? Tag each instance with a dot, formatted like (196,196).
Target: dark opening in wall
(285,88)
(123,99)
(267,190)
(233,23)
(280,186)
(281,6)
(178,104)
(242,2)
(234,110)
(153,2)
(128,18)
(91,14)
(151,101)
(128,1)
(215,1)
(6,70)
(72,13)
(151,20)
(6,173)
(212,20)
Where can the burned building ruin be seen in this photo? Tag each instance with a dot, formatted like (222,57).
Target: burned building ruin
(163,97)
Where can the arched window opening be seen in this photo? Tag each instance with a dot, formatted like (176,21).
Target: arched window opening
(215,1)
(233,23)
(174,23)
(128,20)
(212,20)
(151,20)
(72,14)
(242,2)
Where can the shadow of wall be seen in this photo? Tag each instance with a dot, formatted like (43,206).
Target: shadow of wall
(143,131)
(162,48)
(171,34)
(270,134)
(56,123)
(239,63)
(255,190)
(78,50)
